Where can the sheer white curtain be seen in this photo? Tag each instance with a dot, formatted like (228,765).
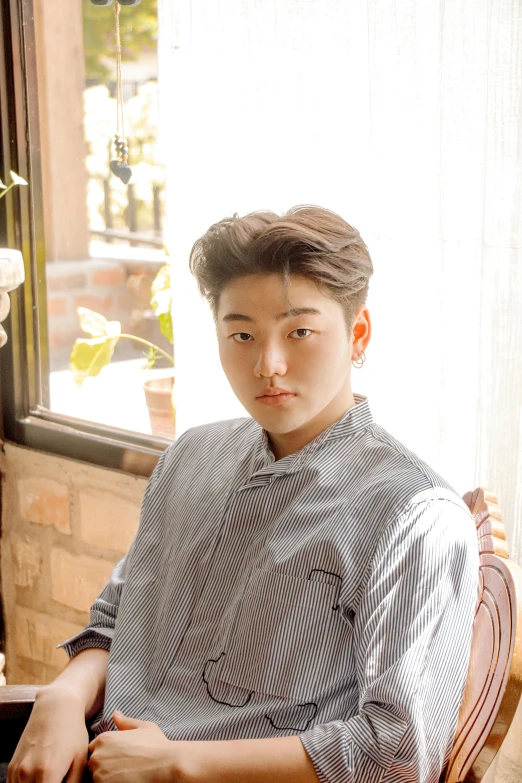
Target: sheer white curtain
(405,118)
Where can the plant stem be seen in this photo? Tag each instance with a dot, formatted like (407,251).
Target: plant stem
(7,189)
(151,345)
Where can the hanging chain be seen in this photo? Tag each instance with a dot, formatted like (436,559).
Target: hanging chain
(120,122)
(120,166)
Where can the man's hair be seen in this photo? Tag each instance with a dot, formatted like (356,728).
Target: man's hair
(307,240)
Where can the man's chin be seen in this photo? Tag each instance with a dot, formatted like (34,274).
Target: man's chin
(279,425)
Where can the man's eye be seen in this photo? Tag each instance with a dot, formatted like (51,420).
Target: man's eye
(300,336)
(241,337)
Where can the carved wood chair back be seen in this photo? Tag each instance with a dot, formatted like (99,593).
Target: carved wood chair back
(494,682)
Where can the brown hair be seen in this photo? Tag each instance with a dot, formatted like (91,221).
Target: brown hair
(306,240)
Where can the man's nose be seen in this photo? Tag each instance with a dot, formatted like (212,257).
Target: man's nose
(270,361)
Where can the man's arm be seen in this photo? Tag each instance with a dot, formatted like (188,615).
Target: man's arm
(82,681)
(274,760)
(55,741)
(412,640)
(139,752)
(104,611)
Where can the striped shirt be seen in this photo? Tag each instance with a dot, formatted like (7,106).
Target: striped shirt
(329,594)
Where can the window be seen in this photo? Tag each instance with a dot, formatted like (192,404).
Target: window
(403,120)
(93,246)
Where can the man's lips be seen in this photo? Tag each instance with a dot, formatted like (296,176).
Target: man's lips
(275,399)
(272,391)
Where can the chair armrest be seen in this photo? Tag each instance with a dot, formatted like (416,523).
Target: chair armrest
(16,703)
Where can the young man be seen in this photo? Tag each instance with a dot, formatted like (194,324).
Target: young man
(298,601)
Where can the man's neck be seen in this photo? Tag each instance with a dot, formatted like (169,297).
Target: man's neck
(291,442)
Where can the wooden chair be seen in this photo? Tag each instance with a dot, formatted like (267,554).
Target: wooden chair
(494,684)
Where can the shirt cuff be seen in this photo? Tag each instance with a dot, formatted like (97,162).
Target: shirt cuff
(337,758)
(321,744)
(89,637)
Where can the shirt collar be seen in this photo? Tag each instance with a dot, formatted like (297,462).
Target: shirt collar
(355,419)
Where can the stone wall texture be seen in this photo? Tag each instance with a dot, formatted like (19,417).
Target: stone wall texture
(65,524)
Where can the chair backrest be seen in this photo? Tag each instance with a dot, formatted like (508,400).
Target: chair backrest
(494,682)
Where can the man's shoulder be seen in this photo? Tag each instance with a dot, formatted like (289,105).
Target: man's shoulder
(215,436)
(397,478)
(402,460)
(222,430)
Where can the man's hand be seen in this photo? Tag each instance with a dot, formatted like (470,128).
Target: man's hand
(138,753)
(54,742)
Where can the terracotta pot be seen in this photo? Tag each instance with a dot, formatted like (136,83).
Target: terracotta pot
(162,414)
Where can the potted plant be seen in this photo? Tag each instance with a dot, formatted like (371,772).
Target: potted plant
(90,355)
(11,264)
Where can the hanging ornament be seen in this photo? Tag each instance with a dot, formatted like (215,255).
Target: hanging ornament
(120,166)
(110,2)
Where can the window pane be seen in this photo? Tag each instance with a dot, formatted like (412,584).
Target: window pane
(104,237)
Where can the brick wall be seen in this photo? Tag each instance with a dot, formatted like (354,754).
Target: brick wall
(64,526)
(118,289)
(96,284)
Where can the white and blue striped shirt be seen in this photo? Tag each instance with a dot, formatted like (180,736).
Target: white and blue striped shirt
(328,594)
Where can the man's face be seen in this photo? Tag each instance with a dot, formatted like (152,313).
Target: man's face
(264,341)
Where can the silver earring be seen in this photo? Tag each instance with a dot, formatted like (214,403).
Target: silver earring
(360,361)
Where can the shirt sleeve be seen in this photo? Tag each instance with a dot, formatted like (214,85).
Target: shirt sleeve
(412,641)
(104,611)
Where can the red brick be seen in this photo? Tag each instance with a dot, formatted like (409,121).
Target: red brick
(44,501)
(109,277)
(126,302)
(100,304)
(108,521)
(27,561)
(66,282)
(59,337)
(37,634)
(76,580)
(57,306)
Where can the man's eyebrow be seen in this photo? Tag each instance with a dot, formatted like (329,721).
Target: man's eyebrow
(288,314)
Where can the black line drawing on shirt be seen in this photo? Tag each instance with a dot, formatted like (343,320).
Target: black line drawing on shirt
(294,728)
(331,573)
(226,703)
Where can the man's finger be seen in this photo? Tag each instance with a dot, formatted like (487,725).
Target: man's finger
(76,770)
(124,723)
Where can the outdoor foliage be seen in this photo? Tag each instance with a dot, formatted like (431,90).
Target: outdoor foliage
(139,33)
(15,180)
(161,301)
(90,355)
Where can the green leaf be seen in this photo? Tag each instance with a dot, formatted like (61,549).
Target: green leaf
(150,359)
(166,328)
(89,357)
(161,301)
(97,325)
(17,179)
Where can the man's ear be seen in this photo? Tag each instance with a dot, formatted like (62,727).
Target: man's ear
(362,328)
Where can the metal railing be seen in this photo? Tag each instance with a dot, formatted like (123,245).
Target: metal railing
(129,216)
